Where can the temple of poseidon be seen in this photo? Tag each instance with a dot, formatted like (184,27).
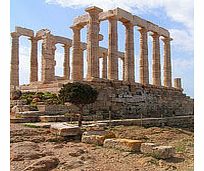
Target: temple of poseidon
(126,97)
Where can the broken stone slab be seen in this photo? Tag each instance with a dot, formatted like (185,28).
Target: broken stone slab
(147,148)
(55,118)
(123,144)
(160,152)
(93,139)
(21,108)
(96,137)
(64,130)
(163,152)
(48,108)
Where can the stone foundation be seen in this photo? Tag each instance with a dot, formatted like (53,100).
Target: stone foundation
(127,100)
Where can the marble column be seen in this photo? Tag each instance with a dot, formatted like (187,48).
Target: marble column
(144,64)
(177,83)
(34,60)
(93,42)
(66,62)
(129,53)
(14,72)
(48,58)
(104,66)
(156,66)
(77,54)
(167,62)
(113,49)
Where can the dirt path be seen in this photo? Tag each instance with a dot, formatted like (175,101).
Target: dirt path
(33,148)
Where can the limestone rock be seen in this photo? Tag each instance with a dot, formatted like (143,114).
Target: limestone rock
(123,144)
(163,152)
(96,137)
(64,130)
(147,148)
(21,108)
(160,152)
(43,164)
(25,151)
(93,139)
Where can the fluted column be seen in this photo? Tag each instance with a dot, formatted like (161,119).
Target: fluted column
(93,42)
(129,53)
(167,62)
(77,54)
(104,66)
(48,58)
(113,49)
(66,61)
(14,72)
(156,66)
(34,60)
(177,83)
(144,64)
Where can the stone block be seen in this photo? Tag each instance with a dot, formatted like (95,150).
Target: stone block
(64,130)
(123,144)
(28,114)
(47,108)
(93,139)
(163,152)
(139,21)
(160,152)
(147,148)
(124,16)
(96,137)
(55,118)
(21,108)
(25,31)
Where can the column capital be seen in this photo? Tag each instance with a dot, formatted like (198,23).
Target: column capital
(66,45)
(15,35)
(166,39)
(77,27)
(128,24)
(142,30)
(33,39)
(93,10)
(154,34)
(112,18)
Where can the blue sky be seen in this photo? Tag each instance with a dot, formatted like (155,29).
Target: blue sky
(57,16)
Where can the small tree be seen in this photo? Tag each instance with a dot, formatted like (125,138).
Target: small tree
(78,94)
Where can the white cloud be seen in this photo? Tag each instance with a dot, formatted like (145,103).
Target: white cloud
(183,64)
(182,39)
(178,10)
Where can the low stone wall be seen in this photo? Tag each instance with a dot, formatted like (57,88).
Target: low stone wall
(178,121)
(127,100)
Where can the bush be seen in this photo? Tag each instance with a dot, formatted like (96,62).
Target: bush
(46,97)
(78,94)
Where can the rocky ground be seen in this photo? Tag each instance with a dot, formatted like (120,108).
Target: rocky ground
(36,149)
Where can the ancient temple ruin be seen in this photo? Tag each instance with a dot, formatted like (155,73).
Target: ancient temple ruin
(126,96)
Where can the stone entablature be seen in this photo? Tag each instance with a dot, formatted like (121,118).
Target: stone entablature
(124,16)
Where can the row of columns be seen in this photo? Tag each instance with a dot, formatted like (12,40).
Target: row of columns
(92,51)
(111,73)
(48,62)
